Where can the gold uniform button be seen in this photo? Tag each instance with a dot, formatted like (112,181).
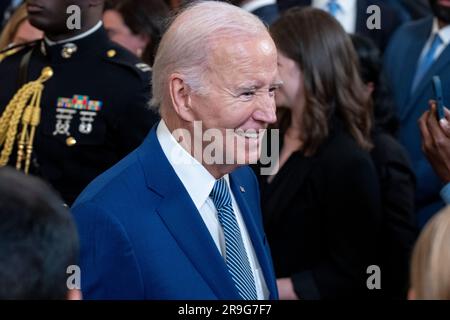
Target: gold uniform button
(111,53)
(71,141)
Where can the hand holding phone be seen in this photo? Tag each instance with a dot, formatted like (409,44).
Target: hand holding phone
(437,87)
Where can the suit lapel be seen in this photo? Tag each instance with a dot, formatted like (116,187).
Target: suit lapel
(437,66)
(188,229)
(183,219)
(255,232)
(412,56)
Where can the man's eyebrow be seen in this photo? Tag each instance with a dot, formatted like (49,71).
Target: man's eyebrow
(277,83)
(252,85)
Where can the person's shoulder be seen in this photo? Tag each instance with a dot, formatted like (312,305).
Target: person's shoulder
(15,53)
(388,151)
(113,183)
(126,62)
(413,27)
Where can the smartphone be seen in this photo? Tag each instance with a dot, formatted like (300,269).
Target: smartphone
(438,96)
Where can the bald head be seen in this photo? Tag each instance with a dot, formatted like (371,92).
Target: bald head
(187,45)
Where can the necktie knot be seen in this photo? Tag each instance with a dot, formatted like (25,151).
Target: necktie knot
(220,194)
(437,41)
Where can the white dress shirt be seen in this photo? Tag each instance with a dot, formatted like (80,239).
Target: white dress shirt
(346,16)
(199,183)
(444,34)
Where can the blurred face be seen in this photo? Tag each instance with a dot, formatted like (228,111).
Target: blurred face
(26,33)
(441,9)
(240,100)
(291,92)
(50,15)
(119,32)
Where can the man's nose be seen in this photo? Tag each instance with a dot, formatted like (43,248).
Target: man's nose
(266,111)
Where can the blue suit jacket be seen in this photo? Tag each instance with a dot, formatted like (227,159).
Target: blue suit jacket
(143,238)
(401,61)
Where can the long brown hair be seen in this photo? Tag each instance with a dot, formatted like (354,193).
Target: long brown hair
(332,85)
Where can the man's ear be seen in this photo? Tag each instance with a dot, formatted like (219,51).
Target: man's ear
(180,96)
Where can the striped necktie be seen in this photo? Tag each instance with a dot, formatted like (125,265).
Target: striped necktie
(235,255)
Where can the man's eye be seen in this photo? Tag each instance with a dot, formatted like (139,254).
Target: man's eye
(247,94)
(272,91)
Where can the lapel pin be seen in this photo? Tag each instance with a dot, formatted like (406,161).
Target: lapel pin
(242,189)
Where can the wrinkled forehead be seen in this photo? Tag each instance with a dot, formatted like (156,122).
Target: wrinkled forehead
(243,55)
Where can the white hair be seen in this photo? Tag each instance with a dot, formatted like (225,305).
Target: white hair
(185,46)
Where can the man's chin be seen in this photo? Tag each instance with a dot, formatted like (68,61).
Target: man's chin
(38,21)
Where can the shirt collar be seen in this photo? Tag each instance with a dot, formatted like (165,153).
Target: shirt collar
(444,33)
(256,4)
(346,6)
(78,37)
(197,181)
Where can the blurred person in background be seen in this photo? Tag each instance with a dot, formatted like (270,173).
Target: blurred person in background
(430,266)
(397,180)
(38,240)
(353,16)
(418,51)
(18,30)
(90,99)
(322,209)
(136,25)
(436,145)
(7,8)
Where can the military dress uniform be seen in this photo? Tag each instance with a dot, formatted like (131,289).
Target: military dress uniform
(94,107)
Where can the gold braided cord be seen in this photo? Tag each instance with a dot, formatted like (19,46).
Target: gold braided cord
(24,108)
(7,53)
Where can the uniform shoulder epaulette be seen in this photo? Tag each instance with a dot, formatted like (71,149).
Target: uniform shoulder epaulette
(118,55)
(10,51)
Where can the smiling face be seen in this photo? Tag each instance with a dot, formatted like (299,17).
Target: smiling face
(241,81)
